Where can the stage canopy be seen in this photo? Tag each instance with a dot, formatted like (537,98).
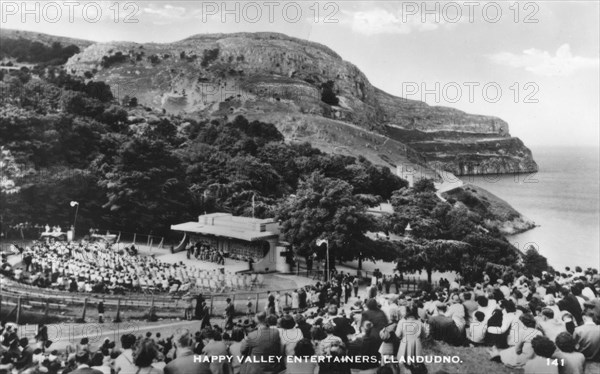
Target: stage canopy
(226,225)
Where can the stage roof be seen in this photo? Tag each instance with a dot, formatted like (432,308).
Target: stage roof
(228,232)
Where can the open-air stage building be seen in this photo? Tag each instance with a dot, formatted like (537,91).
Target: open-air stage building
(239,238)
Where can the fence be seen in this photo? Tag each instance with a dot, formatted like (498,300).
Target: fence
(119,309)
(135,306)
(55,303)
(19,297)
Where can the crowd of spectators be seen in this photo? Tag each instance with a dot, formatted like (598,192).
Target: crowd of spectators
(546,324)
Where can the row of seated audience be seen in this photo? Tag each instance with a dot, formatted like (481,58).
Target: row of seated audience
(90,267)
(524,321)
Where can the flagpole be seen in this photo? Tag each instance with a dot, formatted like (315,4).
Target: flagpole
(327,243)
(75,220)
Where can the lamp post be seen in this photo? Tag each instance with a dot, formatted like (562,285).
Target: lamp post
(76,205)
(319,243)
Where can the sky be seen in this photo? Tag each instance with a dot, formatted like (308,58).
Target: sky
(533,64)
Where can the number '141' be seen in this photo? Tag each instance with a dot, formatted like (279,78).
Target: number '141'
(555,362)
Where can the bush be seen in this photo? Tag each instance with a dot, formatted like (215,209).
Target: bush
(99,90)
(154,59)
(110,60)
(424,185)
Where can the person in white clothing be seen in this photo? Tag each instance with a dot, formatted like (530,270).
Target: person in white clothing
(477,329)
(124,364)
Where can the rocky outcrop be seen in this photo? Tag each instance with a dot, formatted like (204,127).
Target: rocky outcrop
(496,213)
(267,75)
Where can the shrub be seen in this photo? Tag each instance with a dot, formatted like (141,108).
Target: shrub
(110,60)
(208,56)
(154,59)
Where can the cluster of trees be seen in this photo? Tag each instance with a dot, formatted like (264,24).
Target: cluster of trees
(157,171)
(32,51)
(445,236)
(137,170)
(113,59)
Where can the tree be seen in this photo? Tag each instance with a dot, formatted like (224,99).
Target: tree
(144,187)
(415,206)
(487,251)
(431,255)
(438,229)
(533,262)
(325,208)
(99,90)
(79,103)
(115,117)
(424,185)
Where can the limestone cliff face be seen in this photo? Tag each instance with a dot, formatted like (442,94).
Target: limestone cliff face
(267,75)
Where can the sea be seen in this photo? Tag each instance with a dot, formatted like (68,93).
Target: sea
(562,198)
